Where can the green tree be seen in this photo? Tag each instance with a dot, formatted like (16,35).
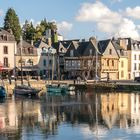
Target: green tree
(11,22)
(28,31)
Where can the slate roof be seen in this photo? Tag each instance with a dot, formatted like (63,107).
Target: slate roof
(25,48)
(82,47)
(24,44)
(10,37)
(41,43)
(102,45)
(58,46)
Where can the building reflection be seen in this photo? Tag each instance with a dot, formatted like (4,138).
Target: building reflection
(102,111)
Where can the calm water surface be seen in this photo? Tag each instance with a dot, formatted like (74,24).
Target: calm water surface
(84,116)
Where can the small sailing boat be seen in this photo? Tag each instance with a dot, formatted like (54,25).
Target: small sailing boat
(25,90)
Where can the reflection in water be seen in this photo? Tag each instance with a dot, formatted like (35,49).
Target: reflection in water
(86,115)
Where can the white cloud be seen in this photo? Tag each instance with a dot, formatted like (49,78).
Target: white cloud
(97,12)
(133,12)
(128,29)
(108,21)
(106,27)
(64,27)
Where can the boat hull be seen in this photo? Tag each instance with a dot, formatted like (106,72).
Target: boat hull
(25,91)
(56,90)
(2,92)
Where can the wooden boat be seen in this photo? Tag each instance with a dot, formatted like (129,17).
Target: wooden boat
(25,90)
(2,92)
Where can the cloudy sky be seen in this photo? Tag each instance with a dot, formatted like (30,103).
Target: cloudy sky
(81,18)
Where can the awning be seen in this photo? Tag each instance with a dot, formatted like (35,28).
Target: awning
(3,68)
(29,68)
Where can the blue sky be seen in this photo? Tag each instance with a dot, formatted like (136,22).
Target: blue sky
(81,18)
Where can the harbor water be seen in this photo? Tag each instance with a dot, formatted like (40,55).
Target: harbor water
(85,115)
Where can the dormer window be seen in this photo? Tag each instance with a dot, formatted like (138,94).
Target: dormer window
(30,50)
(5,38)
(5,49)
(71,53)
(110,51)
(90,52)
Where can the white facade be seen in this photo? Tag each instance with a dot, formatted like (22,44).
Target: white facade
(46,61)
(135,60)
(10,55)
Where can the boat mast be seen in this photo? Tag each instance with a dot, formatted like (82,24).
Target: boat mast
(21,60)
(58,72)
(96,110)
(52,67)
(96,55)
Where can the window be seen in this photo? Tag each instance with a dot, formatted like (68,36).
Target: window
(5,49)
(44,62)
(6,62)
(110,51)
(112,62)
(71,53)
(135,66)
(122,64)
(30,62)
(5,38)
(135,57)
(107,62)
(50,62)
(122,74)
(30,50)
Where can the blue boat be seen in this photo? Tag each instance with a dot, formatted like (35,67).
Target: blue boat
(2,92)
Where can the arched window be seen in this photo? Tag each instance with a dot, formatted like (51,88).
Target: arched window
(5,49)
(30,62)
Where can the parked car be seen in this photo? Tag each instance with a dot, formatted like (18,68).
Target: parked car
(137,79)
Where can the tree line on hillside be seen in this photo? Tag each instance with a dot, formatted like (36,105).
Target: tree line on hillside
(28,30)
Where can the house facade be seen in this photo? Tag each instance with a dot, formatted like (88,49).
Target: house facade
(109,60)
(47,60)
(81,58)
(132,48)
(26,59)
(7,52)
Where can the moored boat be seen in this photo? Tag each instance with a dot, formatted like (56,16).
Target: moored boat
(25,90)
(56,90)
(2,92)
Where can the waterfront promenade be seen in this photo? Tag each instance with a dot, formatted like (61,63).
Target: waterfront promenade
(41,84)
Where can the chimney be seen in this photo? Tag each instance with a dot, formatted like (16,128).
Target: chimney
(93,39)
(48,37)
(32,42)
(123,43)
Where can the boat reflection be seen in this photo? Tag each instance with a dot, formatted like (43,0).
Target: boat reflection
(92,115)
